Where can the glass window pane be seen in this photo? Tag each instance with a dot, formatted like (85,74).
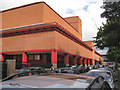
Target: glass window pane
(37,57)
(31,57)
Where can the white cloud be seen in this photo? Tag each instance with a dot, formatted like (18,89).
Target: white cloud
(89,17)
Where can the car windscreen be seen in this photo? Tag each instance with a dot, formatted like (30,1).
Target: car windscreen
(96,74)
(68,68)
(24,70)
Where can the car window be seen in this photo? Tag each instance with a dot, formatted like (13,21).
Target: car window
(74,68)
(67,68)
(23,70)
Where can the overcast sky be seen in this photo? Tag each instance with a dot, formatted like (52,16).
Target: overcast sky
(88,11)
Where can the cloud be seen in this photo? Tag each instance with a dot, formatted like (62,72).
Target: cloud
(88,10)
(69,11)
(85,8)
(92,2)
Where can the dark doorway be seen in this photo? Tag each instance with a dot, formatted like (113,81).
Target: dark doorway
(18,59)
(4,69)
(70,61)
(60,61)
(78,61)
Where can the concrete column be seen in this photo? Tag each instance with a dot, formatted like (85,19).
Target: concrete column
(66,59)
(54,58)
(88,62)
(24,58)
(85,62)
(74,60)
(93,62)
(81,59)
(11,64)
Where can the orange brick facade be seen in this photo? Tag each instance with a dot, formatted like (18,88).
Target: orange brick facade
(36,33)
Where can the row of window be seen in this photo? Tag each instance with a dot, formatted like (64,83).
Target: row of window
(30,57)
(34,57)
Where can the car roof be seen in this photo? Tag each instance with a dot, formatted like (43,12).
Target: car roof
(30,67)
(99,70)
(106,68)
(50,80)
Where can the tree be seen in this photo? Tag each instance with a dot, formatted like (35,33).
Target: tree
(108,34)
(113,54)
(111,10)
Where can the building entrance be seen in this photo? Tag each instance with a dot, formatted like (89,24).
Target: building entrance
(17,57)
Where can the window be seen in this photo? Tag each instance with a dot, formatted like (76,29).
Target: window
(14,57)
(31,57)
(37,57)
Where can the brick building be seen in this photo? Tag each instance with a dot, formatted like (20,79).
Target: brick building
(35,35)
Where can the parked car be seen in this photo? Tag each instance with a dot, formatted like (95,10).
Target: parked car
(107,75)
(96,66)
(69,69)
(86,68)
(29,69)
(55,81)
(114,74)
(112,67)
(93,66)
(100,66)
(57,70)
(106,68)
(80,69)
(90,67)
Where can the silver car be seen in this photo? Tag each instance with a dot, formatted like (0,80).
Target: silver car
(53,80)
(69,69)
(108,76)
